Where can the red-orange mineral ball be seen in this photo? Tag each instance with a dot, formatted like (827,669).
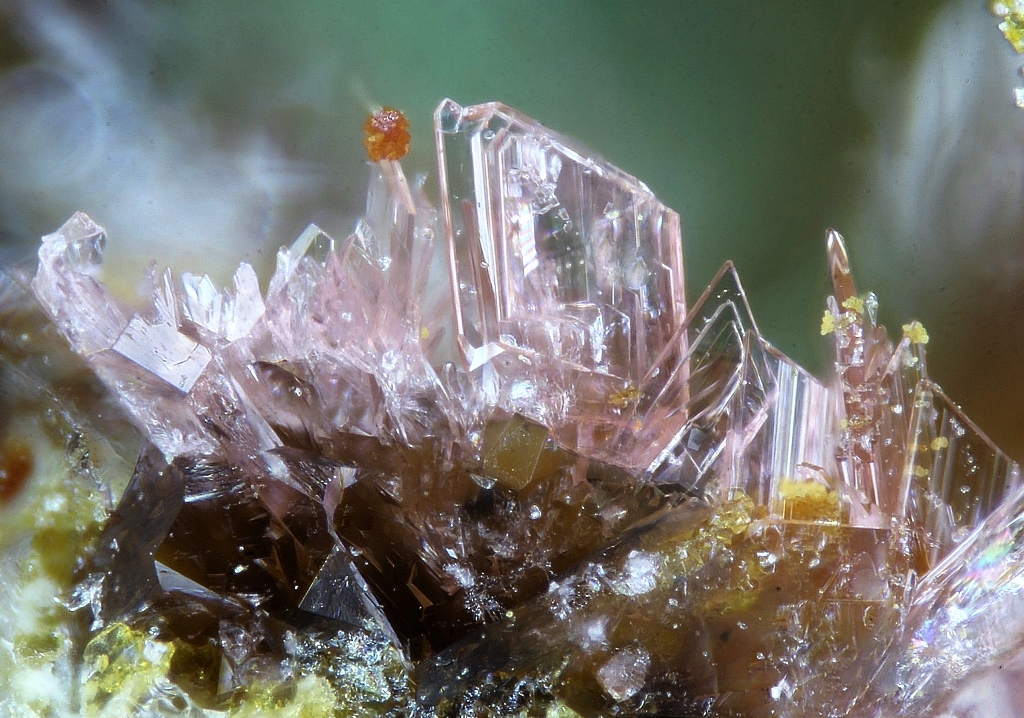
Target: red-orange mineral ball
(387,135)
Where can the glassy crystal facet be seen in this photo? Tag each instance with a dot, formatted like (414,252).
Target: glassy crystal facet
(559,259)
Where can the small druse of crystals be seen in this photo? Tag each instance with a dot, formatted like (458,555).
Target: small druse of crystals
(556,491)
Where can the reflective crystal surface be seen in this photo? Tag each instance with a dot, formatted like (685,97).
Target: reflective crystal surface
(713,611)
(608,505)
(559,259)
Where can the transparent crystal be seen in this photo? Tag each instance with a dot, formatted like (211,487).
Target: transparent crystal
(205,371)
(679,416)
(784,431)
(231,315)
(69,261)
(559,257)
(955,476)
(163,350)
(876,382)
(965,616)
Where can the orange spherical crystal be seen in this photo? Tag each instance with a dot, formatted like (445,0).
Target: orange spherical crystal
(387,135)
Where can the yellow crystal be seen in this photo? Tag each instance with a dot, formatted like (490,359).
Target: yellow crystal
(1013,29)
(855,304)
(828,323)
(915,332)
(809,501)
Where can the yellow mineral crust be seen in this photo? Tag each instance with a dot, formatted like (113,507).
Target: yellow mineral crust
(915,332)
(809,501)
(123,669)
(854,304)
(624,397)
(128,672)
(1012,26)
(828,323)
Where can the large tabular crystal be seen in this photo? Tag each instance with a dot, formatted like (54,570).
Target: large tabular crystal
(562,261)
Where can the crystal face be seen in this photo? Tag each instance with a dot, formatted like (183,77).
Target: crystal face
(610,505)
(559,259)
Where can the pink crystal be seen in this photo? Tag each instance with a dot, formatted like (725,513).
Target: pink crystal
(206,371)
(559,260)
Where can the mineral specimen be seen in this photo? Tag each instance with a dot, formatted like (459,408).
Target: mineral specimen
(610,504)
(387,135)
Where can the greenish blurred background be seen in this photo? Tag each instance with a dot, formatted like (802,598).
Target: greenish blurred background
(203,133)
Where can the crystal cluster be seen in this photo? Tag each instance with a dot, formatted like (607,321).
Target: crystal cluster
(610,504)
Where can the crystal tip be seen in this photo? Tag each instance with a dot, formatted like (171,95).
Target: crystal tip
(839,265)
(448,116)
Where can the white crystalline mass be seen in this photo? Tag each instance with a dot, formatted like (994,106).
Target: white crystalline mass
(593,634)
(625,673)
(640,574)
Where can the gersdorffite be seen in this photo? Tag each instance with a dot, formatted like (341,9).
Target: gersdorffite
(609,503)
